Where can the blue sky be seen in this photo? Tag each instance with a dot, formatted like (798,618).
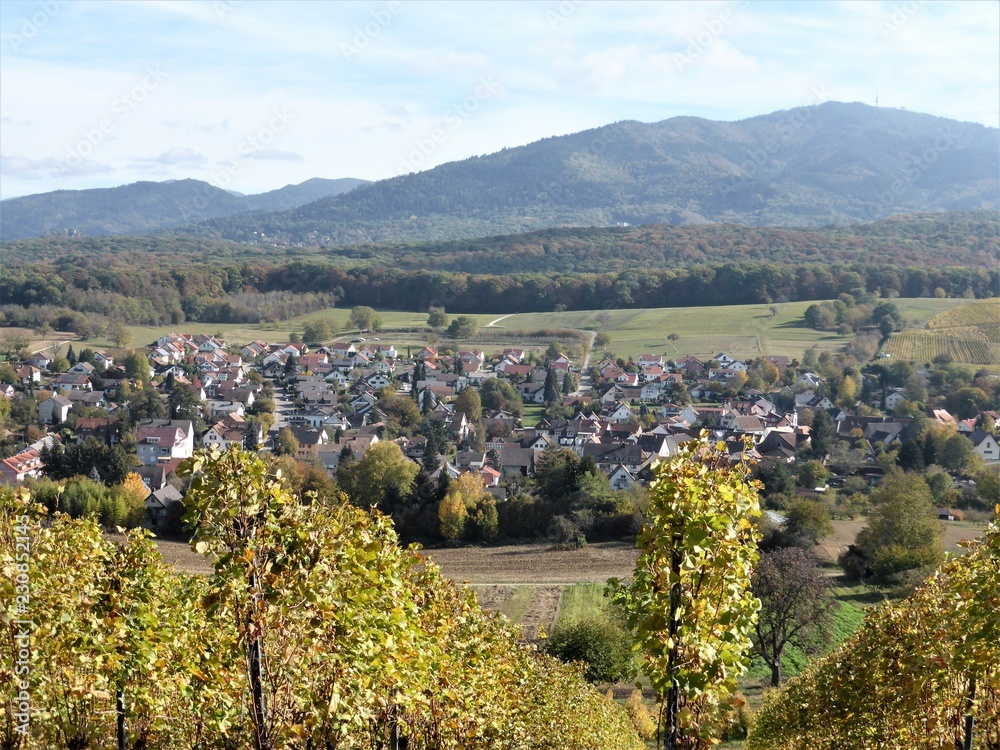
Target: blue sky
(252,95)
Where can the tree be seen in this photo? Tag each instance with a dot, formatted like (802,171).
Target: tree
(136,366)
(59,364)
(362,318)
(469,404)
(552,392)
(822,434)
(119,334)
(15,344)
(797,607)
(813,474)
(602,340)
(806,523)
(288,444)
(689,601)
(452,514)
(956,453)
(381,479)
(436,318)
(184,403)
(462,327)
(317,332)
(903,532)
(146,404)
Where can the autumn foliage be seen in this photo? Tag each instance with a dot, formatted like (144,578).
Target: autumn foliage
(922,673)
(317,630)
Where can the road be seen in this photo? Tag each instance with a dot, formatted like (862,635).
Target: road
(586,382)
(493,323)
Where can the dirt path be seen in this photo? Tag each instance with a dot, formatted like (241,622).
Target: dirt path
(492,323)
(541,612)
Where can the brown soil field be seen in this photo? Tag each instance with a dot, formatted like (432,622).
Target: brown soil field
(845,532)
(536,564)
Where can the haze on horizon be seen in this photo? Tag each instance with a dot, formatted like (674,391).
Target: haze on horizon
(253,96)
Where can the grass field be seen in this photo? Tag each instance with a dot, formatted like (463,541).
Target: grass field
(738,330)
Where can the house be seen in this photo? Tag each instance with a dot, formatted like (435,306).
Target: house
(54,409)
(94,399)
(28,374)
(158,504)
(39,360)
(25,465)
(985,445)
(309,440)
(894,399)
(104,429)
(70,382)
(621,478)
(7,391)
(622,413)
(232,431)
(103,361)
(82,368)
(161,440)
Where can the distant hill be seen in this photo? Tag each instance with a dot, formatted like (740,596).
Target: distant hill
(833,163)
(148,206)
(970,239)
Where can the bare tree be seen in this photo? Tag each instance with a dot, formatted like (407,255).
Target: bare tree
(797,607)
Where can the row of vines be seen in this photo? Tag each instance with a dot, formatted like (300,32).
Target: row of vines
(924,673)
(317,630)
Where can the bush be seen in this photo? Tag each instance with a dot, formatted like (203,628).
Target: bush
(603,646)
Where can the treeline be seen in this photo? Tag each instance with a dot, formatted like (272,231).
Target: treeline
(970,238)
(145,291)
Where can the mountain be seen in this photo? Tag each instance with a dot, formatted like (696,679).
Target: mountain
(148,206)
(293,196)
(833,163)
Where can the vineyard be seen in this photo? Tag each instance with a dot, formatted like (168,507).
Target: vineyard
(969,334)
(979,314)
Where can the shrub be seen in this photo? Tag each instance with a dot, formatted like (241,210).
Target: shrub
(604,648)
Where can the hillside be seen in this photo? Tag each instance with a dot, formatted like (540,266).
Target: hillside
(148,206)
(970,239)
(833,163)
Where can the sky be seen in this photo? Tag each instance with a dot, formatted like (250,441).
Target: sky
(251,95)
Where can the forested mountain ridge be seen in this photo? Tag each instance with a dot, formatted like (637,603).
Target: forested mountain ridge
(832,163)
(148,206)
(961,238)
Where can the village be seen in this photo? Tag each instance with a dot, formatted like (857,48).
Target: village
(323,403)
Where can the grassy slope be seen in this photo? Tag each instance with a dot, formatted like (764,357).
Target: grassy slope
(739,330)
